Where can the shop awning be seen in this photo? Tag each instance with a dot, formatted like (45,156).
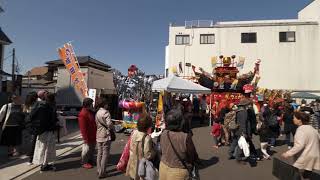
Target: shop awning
(178,85)
(304,95)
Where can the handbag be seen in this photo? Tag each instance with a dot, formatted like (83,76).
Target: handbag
(5,117)
(112,135)
(145,168)
(3,121)
(194,172)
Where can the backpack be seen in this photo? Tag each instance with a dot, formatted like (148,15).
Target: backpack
(272,120)
(231,121)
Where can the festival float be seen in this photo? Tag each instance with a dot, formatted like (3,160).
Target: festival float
(134,91)
(226,85)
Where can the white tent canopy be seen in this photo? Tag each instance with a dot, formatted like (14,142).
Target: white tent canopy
(178,85)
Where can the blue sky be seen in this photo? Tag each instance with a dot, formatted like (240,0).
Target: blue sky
(119,32)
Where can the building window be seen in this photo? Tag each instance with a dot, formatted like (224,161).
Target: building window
(182,39)
(167,72)
(207,39)
(289,36)
(248,37)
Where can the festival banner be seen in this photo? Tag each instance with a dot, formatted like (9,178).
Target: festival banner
(240,63)
(93,95)
(160,113)
(174,70)
(214,61)
(70,61)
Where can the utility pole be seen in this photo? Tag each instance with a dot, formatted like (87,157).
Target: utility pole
(13,67)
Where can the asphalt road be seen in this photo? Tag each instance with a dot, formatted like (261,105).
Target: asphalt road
(216,163)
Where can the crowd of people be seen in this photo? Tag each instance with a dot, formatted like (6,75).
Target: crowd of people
(172,154)
(237,124)
(38,117)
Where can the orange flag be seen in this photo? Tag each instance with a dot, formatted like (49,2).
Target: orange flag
(70,61)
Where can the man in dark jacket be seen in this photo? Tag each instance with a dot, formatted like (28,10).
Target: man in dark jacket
(35,122)
(88,129)
(245,122)
(243,129)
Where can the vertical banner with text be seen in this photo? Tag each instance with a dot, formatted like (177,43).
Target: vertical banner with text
(70,61)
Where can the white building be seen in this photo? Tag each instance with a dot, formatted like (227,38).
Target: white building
(289,49)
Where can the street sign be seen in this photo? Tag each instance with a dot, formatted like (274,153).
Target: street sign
(93,95)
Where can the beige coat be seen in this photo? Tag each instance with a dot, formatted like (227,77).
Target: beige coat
(149,152)
(103,117)
(306,148)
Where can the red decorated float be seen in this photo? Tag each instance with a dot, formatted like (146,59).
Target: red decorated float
(227,86)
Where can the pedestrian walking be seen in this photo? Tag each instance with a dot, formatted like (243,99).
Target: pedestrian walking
(224,110)
(88,129)
(104,136)
(230,123)
(216,130)
(45,149)
(289,127)
(178,150)
(140,139)
(264,134)
(306,146)
(271,118)
(242,130)
(12,120)
(29,106)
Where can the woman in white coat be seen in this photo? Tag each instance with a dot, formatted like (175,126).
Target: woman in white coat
(306,149)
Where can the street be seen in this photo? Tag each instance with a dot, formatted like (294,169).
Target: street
(216,163)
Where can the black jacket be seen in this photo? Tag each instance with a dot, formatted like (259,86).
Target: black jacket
(288,123)
(243,122)
(264,132)
(252,119)
(43,118)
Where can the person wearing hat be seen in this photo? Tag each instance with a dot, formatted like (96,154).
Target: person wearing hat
(243,130)
(12,120)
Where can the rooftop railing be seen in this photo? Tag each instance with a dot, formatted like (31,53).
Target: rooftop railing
(195,24)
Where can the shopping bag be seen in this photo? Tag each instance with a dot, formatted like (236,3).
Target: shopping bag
(124,159)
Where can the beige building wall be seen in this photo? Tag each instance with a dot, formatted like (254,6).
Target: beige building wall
(285,65)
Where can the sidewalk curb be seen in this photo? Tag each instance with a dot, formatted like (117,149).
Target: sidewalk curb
(36,168)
